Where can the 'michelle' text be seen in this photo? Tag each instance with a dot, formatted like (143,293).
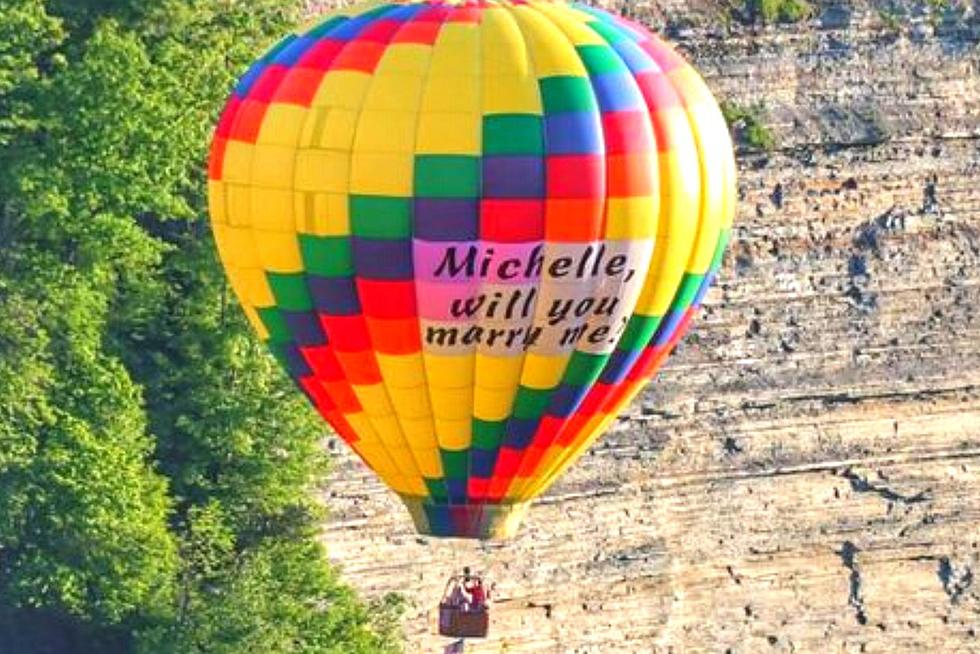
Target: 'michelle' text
(593,261)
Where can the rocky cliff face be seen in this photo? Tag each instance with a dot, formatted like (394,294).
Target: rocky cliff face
(805,474)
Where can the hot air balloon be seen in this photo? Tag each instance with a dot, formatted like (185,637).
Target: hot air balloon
(471,232)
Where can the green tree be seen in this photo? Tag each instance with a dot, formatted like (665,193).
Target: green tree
(156,467)
(28,36)
(83,518)
(267,603)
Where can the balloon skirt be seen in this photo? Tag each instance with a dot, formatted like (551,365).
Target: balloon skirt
(480,521)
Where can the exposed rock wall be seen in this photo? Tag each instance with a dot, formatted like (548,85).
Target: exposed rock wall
(805,474)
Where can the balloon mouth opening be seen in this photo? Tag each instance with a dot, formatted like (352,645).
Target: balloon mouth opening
(474,521)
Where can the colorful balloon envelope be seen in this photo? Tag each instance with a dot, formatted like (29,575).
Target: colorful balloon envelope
(471,233)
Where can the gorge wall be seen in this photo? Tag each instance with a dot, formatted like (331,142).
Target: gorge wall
(805,474)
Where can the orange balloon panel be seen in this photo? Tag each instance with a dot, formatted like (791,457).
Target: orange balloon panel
(471,232)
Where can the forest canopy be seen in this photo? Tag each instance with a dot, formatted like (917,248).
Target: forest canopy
(156,467)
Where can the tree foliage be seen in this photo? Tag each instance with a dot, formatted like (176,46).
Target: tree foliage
(156,467)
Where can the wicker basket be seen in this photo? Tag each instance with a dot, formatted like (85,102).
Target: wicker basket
(456,622)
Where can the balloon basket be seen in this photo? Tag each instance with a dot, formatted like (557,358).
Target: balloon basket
(476,521)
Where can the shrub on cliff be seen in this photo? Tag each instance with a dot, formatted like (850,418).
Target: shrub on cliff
(749,126)
(774,11)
